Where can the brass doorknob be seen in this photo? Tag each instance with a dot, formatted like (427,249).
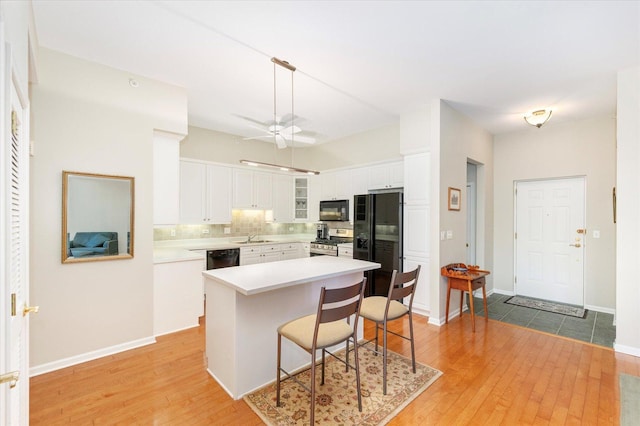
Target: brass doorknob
(29,309)
(576,245)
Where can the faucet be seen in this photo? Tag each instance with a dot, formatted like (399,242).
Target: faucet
(250,237)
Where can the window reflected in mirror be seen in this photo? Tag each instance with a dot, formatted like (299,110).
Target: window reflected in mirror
(97,217)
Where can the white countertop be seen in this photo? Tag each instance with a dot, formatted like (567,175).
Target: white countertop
(180,250)
(167,255)
(263,277)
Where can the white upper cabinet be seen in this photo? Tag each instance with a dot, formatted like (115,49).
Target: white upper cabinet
(389,175)
(336,185)
(417,186)
(205,193)
(283,190)
(166,178)
(252,190)
(359,181)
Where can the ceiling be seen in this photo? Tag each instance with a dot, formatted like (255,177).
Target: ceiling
(361,64)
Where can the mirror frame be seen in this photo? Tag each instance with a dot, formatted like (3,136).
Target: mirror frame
(65,201)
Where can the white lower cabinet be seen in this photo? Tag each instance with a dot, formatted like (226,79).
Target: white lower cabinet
(270,253)
(177,296)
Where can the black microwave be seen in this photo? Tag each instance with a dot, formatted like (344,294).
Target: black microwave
(334,210)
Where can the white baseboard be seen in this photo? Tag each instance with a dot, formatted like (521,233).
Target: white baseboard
(89,356)
(600,309)
(176,330)
(629,350)
(505,292)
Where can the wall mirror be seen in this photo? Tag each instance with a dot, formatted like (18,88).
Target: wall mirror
(97,217)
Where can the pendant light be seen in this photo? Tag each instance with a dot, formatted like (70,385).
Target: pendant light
(276,134)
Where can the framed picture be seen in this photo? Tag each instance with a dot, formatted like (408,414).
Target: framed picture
(454,199)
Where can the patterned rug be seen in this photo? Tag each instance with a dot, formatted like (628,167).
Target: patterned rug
(337,400)
(545,305)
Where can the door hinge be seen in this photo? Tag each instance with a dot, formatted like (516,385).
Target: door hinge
(515,235)
(13,304)
(515,279)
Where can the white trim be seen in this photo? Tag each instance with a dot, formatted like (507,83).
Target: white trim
(78,359)
(177,329)
(629,350)
(420,310)
(602,309)
(505,292)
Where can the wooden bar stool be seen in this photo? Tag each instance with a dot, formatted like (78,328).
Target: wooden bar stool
(460,277)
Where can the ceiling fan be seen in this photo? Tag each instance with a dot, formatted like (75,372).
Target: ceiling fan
(282,129)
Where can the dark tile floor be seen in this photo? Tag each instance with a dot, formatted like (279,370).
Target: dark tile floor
(596,328)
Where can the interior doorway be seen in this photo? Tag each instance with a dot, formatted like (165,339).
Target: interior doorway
(550,239)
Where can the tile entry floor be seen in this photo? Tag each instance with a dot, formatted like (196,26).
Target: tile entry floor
(596,328)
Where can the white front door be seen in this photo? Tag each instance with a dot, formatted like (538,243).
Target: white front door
(549,239)
(14,288)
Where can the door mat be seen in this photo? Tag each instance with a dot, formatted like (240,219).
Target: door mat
(629,400)
(545,305)
(337,400)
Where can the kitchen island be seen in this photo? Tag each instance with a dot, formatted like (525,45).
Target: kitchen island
(245,305)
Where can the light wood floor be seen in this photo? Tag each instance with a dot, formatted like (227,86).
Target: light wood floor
(502,374)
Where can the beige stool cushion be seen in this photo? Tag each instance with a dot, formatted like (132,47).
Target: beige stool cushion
(300,331)
(373,308)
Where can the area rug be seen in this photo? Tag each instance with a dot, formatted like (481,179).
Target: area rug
(545,305)
(337,400)
(629,400)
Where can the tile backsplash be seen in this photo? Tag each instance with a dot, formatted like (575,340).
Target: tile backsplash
(243,223)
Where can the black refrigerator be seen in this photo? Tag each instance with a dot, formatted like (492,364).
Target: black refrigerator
(377,237)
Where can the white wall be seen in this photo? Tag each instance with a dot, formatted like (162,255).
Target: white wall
(628,226)
(578,148)
(462,140)
(87,118)
(380,144)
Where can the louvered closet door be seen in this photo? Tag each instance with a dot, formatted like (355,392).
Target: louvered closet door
(14,288)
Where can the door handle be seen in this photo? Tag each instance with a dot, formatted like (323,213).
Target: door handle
(29,309)
(576,245)
(11,377)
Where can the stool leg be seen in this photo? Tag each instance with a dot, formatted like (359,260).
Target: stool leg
(461,302)
(384,358)
(313,386)
(278,372)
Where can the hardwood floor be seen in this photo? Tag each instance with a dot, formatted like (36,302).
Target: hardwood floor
(502,374)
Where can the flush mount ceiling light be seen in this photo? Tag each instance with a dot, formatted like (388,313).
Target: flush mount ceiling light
(539,117)
(280,133)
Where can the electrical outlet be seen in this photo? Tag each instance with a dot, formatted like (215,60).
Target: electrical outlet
(173,232)
(205,230)
(227,230)
(596,234)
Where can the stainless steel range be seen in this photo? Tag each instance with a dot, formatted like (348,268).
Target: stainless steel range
(329,246)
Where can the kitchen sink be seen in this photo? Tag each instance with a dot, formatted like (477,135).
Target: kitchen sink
(255,241)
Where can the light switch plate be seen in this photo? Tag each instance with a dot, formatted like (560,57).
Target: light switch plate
(449,235)
(227,230)
(442,235)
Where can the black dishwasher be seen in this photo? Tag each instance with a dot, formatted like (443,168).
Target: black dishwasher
(223,258)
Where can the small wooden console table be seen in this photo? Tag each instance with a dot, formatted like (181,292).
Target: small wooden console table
(465,280)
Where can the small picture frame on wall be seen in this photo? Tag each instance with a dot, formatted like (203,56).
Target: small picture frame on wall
(454,199)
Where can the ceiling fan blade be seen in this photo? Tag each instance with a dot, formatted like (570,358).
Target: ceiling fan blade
(303,139)
(258,137)
(262,128)
(290,130)
(252,120)
(281,142)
